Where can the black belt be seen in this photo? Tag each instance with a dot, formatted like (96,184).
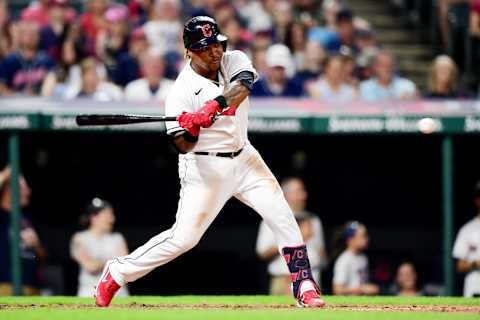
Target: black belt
(220,154)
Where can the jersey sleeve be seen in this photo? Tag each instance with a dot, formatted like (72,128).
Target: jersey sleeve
(340,272)
(236,62)
(175,104)
(460,248)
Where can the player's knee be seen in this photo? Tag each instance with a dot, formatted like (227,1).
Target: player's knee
(188,242)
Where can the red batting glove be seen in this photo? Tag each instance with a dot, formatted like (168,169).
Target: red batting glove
(208,113)
(188,121)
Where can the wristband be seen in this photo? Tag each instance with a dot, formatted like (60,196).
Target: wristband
(221,101)
(189,138)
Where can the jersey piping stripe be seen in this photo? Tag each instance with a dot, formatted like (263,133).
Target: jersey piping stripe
(174,129)
(182,192)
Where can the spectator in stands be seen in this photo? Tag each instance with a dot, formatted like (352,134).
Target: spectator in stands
(92,86)
(283,19)
(238,37)
(37,12)
(128,65)
(443,79)
(386,85)
(112,41)
(164,28)
(312,231)
(259,61)
(280,69)
(6,41)
(53,34)
(94,246)
(475,18)
(138,11)
(331,87)
(257,14)
(32,252)
(74,49)
(330,8)
(350,274)
(346,30)
(24,70)
(467,251)
(311,67)
(153,85)
(443,19)
(406,281)
(92,21)
(296,41)
(349,76)
(307,12)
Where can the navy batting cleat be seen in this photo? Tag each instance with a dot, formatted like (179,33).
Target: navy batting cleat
(304,287)
(106,289)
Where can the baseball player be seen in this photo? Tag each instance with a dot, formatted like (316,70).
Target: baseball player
(216,162)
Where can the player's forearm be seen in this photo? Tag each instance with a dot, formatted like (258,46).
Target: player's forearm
(235,94)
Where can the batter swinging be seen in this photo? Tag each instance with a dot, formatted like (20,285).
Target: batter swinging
(216,162)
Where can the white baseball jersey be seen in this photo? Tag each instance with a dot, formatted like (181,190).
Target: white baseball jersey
(351,270)
(467,247)
(191,90)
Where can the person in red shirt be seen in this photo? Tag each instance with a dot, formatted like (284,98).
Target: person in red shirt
(92,21)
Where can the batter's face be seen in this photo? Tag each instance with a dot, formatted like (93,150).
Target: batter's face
(207,58)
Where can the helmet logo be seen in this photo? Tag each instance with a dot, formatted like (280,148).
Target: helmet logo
(207,30)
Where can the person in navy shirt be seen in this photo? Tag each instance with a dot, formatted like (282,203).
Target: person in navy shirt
(25,70)
(31,249)
(276,83)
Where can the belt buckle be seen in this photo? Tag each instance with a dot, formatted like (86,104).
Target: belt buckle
(232,155)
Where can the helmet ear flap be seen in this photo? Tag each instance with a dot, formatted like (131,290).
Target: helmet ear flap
(224,45)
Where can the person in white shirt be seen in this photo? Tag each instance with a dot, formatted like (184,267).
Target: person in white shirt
(163,28)
(153,86)
(92,86)
(467,251)
(95,245)
(330,87)
(209,101)
(386,85)
(350,273)
(312,231)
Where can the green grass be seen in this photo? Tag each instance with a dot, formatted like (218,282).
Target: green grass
(214,314)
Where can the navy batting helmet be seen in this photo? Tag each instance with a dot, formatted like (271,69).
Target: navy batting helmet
(201,31)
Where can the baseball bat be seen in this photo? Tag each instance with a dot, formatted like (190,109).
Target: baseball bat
(115,119)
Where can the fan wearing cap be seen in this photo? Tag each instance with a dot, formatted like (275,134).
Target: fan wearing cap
(216,162)
(350,273)
(96,244)
(467,251)
(277,82)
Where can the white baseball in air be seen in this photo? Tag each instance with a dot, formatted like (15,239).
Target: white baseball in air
(427,125)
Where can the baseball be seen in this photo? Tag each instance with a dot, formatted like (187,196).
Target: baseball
(427,125)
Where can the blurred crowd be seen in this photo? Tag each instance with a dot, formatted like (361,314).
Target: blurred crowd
(133,50)
(345,254)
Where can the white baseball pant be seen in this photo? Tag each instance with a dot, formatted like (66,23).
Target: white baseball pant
(207,183)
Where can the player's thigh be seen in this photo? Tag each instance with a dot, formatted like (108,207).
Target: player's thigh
(203,193)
